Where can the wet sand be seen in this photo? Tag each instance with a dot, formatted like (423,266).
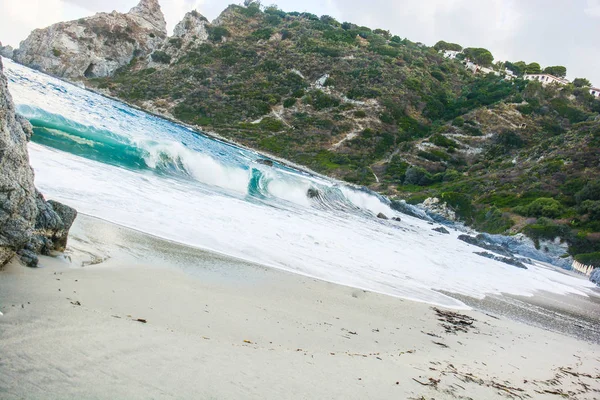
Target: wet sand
(130,316)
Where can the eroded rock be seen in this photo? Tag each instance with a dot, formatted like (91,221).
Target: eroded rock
(95,46)
(28,224)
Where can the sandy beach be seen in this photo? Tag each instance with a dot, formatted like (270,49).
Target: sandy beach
(128,316)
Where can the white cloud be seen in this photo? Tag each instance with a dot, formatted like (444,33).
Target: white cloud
(593,8)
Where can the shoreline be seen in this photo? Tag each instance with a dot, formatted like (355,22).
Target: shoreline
(145,317)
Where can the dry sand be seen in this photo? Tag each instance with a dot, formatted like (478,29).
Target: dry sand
(149,319)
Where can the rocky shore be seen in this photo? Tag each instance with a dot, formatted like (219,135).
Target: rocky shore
(29,225)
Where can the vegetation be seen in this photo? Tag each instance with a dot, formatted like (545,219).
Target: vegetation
(479,56)
(558,70)
(508,156)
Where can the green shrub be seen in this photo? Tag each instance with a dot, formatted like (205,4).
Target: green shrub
(417,176)
(460,203)
(542,207)
(492,221)
(161,57)
(217,33)
(458,121)
(589,259)
(360,114)
(288,103)
(443,141)
(592,208)
(545,229)
(263,34)
(271,124)
(591,191)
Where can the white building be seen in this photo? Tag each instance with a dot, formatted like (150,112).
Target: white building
(546,79)
(595,92)
(471,66)
(451,54)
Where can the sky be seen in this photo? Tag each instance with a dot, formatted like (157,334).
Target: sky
(550,32)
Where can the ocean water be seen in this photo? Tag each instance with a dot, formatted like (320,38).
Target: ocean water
(140,171)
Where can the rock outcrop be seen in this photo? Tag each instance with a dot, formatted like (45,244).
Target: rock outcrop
(193,27)
(95,46)
(6,51)
(595,276)
(191,30)
(436,206)
(28,224)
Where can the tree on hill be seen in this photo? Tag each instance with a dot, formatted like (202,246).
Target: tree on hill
(479,56)
(533,68)
(581,82)
(518,68)
(557,70)
(443,46)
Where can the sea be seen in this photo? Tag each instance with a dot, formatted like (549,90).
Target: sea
(131,168)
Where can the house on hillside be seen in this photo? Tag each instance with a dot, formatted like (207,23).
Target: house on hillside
(595,92)
(474,68)
(546,79)
(451,54)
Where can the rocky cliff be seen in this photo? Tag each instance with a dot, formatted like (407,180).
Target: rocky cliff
(95,46)
(28,224)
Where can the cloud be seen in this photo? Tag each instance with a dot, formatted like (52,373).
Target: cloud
(593,8)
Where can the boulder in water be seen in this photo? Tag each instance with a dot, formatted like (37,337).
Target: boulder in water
(262,161)
(441,229)
(312,193)
(397,219)
(382,216)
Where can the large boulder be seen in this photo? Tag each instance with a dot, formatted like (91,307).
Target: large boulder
(95,46)
(28,224)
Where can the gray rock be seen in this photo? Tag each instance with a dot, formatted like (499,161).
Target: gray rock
(595,276)
(480,241)
(18,209)
(382,216)
(506,260)
(28,224)
(443,230)
(95,46)
(312,193)
(6,51)
(405,208)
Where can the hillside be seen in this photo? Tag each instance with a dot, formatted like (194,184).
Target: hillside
(381,111)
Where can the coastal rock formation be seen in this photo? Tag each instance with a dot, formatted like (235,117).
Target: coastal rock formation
(595,276)
(192,29)
(28,224)
(6,51)
(436,206)
(95,46)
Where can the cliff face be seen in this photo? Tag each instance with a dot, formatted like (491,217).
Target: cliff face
(28,224)
(95,46)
